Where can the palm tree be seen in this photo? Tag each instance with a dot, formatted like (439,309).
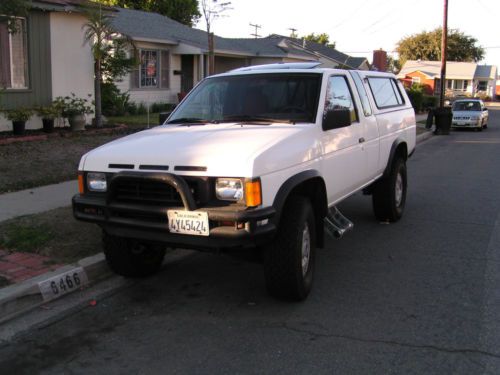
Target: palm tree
(99,33)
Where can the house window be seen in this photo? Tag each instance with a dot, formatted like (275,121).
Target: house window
(482,85)
(153,70)
(415,80)
(149,68)
(13,56)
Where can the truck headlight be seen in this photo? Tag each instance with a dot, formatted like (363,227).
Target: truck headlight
(229,189)
(96,181)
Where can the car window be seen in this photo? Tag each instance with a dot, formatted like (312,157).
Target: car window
(385,92)
(467,106)
(338,96)
(365,102)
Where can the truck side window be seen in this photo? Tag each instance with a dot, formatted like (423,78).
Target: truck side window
(384,92)
(363,95)
(338,96)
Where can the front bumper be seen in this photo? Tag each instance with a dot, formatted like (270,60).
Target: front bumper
(466,124)
(250,227)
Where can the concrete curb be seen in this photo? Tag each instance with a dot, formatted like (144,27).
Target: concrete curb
(19,303)
(424,136)
(20,298)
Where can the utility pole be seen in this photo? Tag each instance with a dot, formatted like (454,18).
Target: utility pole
(257,27)
(444,43)
(294,34)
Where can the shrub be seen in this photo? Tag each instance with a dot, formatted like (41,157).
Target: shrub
(141,109)
(131,108)
(416,95)
(161,107)
(114,102)
(429,101)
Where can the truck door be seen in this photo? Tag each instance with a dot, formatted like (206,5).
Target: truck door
(343,156)
(370,129)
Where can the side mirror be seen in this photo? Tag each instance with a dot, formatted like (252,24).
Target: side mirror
(485,109)
(336,118)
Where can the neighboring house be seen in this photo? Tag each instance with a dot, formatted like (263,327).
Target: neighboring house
(173,57)
(45,59)
(462,78)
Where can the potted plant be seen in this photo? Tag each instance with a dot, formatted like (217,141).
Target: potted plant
(75,109)
(18,117)
(48,114)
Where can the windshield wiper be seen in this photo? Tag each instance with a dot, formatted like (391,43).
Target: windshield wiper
(255,119)
(192,120)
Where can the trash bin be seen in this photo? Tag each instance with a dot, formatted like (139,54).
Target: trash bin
(163,117)
(443,117)
(430,119)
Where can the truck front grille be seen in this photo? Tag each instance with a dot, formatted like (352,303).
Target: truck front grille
(143,191)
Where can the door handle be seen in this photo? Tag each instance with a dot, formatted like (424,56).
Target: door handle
(361,140)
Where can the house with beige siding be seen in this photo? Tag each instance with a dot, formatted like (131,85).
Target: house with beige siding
(45,59)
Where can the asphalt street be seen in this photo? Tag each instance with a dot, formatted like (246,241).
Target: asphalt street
(421,296)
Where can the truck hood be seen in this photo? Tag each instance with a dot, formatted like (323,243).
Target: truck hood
(227,150)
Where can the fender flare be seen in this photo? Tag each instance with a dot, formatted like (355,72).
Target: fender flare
(392,154)
(287,187)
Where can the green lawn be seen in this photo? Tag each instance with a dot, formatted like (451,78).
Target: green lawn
(135,121)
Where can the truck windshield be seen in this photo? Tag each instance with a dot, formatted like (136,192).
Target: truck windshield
(281,97)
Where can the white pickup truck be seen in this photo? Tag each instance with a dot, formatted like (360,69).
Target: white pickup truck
(253,159)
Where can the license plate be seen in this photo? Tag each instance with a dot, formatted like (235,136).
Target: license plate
(62,284)
(188,222)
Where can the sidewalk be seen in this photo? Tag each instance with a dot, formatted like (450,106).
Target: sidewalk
(33,201)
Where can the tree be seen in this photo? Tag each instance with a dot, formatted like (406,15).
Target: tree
(10,9)
(212,9)
(108,50)
(427,46)
(183,11)
(322,38)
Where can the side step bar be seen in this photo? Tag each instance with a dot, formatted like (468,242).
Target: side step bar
(337,224)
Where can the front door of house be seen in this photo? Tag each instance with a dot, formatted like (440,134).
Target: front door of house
(187,67)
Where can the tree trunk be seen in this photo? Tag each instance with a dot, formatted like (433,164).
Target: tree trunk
(97,93)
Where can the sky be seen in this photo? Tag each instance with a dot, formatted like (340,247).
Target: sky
(361,26)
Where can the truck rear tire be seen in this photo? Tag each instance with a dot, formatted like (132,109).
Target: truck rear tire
(289,259)
(132,258)
(389,193)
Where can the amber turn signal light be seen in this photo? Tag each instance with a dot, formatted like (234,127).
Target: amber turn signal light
(253,193)
(80,183)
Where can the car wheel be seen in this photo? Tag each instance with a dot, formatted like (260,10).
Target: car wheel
(389,193)
(132,258)
(289,259)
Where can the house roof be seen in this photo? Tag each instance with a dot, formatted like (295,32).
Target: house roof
(486,71)
(454,69)
(331,53)
(153,26)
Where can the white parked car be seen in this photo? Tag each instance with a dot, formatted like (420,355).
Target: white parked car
(256,159)
(469,113)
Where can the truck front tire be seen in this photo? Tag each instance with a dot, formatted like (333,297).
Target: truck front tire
(389,193)
(132,258)
(289,259)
